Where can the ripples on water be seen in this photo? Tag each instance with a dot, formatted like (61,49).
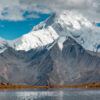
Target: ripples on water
(51,95)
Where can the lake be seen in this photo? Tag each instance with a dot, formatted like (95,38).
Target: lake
(67,94)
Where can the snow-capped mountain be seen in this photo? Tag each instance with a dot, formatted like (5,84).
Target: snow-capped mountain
(58,51)
(36,39)
(78,27)
(70,65)
(68,23)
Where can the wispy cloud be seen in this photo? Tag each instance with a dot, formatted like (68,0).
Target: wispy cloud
(14,9)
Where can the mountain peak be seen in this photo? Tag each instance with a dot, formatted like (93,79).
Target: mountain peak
(78,27)
(49,21)
(75,19)
(67,24)
(36,39)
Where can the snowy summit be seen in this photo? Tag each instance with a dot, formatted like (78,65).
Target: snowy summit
(68,23)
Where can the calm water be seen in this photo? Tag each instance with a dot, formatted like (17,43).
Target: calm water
(51,95)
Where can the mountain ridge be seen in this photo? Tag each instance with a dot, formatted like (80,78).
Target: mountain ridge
(71,65)
(68,23)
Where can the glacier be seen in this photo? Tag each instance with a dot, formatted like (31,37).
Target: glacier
(68,23)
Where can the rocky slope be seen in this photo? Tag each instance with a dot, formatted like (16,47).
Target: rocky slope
(61,50)
(71,65)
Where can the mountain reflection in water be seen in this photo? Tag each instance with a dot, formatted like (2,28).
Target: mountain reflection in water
(69,94)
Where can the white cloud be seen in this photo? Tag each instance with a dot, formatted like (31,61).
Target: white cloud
(89,7)
(9,11)
(14,9)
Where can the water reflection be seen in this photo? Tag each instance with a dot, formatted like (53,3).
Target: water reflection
(51,95)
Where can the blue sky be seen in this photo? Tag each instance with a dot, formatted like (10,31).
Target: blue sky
(98,24)
(13,29)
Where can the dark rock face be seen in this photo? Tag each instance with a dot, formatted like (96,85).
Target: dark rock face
(70,66)
(74,65)
(25,67)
